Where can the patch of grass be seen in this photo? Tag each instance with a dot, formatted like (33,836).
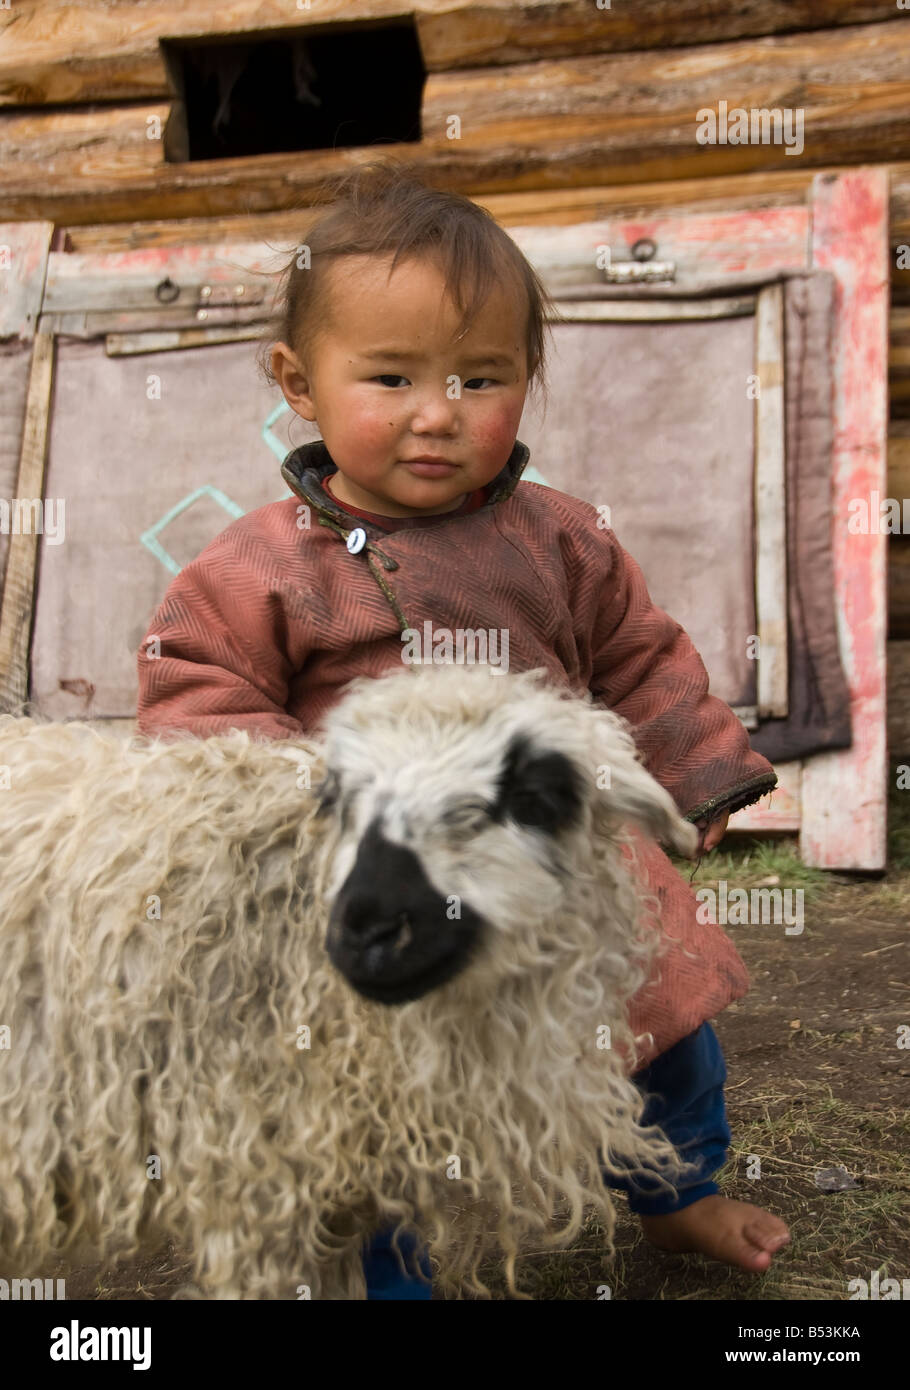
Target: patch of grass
(835,1236)
(747,858)
(892,896)
(749,861)
(898,820)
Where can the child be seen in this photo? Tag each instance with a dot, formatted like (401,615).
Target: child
(412,329)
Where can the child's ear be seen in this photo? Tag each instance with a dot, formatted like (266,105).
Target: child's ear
(626,791)
(291,375)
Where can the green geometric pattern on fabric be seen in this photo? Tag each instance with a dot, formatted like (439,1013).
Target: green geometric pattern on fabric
(278,449)
(150,540)
(531,475)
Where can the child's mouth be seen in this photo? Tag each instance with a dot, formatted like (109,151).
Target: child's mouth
(430,468)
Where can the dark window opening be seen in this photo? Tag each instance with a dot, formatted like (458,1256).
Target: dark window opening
(310,90)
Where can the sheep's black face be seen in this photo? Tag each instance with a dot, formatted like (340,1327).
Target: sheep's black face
(390,934)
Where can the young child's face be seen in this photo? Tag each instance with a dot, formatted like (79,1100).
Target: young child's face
(380,386)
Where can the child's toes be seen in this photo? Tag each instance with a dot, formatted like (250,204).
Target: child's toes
(767,1232)
(750,1258)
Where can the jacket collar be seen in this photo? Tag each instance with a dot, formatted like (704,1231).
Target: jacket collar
(305,467)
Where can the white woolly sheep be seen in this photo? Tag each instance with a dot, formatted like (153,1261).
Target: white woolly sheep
(266,1021)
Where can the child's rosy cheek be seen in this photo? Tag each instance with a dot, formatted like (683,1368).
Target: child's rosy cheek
(498,433)
(375,423)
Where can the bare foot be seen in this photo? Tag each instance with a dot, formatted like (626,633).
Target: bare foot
(736,1232)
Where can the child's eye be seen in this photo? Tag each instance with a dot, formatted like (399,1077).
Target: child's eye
(390,379)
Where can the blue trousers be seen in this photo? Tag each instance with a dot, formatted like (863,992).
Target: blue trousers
(685,1091)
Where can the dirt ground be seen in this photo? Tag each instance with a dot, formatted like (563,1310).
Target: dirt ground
(816,1080)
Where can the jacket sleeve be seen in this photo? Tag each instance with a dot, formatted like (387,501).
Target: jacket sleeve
(646,669)
(214,657)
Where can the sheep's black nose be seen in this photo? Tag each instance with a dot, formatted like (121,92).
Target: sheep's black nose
(362,917)
(389,931)
(376,936)
(386,899)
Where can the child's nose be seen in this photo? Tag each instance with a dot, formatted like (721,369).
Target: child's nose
(437,405)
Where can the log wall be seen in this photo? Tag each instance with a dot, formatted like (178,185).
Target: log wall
(564,112)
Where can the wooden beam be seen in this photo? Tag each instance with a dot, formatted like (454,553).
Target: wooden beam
(87,294)
(201,277)
(551,207)
(82,324)
(844,792)
(54,52)
(620,119)
(770,508)
(24,248)
(722,247)
(541,207)
(129,344)
(653,310)
(18,599)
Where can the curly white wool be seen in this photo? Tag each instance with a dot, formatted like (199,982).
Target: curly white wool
(184,1060)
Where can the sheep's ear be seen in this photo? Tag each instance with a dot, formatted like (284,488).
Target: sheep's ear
(627,791)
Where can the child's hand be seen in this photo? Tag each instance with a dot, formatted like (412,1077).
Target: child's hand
(711,835)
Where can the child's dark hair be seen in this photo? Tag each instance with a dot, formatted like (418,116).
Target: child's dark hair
(384,208)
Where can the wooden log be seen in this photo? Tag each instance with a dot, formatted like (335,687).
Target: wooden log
(900,234)
(633,116)
(626,118)
(899,395)
(506,32)
(899,700)
(52,51)
(899,361)
(899,467)
(105,168)
(899,582)
(66,149)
